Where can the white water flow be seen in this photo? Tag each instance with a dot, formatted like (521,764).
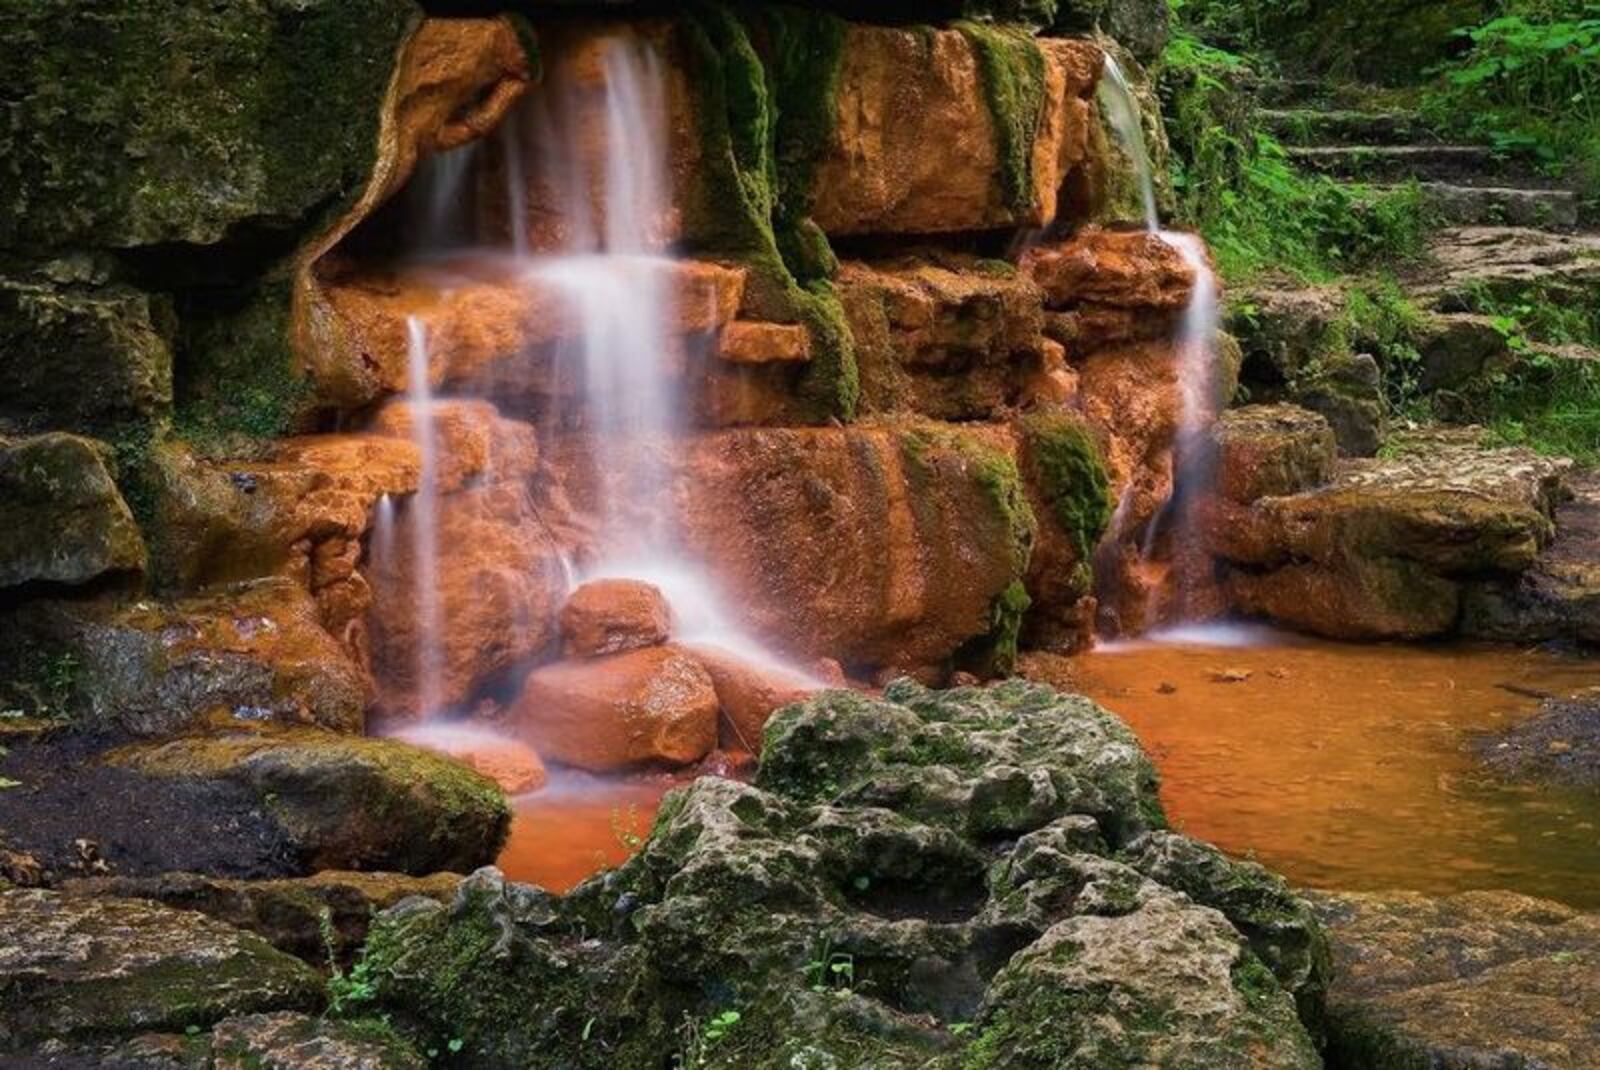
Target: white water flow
(424,506)
(1197,332)
(616,281)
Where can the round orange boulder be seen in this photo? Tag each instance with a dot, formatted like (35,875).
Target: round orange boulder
(610,616)
(620,710)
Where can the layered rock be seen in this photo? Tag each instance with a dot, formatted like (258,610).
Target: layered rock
(1384,548)
(66,522)
(869,892)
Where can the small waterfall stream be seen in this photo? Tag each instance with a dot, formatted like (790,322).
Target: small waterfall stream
(425,518)
(1195,340)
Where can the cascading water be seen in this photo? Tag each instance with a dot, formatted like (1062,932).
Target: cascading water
(425,518)
(1195,340)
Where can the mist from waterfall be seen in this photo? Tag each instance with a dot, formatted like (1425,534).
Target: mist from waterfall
(1196,337)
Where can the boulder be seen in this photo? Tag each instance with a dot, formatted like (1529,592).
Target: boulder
(1140,25)
(1384,548)
(1012,112)
(750,693)
(510,763)
(290,914)
(620,710)
(951,340)
(1267,451)
(85,967)
(613,615)
(346,802)
(855,927)
(66,522)
(1474,979)
(82,356)
(247,654)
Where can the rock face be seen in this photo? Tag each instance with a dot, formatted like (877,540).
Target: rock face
(1382,551)
(610,616)
(621,710)
(347,802)
(1269,451)
(65,520)
(899,866)
(247,654)
(1477,979)
(290,1041)
(86,967)
(900,90)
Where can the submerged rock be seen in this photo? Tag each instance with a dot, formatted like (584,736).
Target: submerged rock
(1559,746)
(1470,980)
(924,881)
(78,967)
(346,802)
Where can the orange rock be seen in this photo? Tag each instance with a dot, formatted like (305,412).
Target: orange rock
(901,90)
(472,440)
(613,615)
(510,763)
(751,342)
(621,710)
(749,693)
(499,585)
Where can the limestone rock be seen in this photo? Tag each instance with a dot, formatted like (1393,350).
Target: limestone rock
(1475,979)
(858,928)
(287,913)
(82,357)
(610,616)
(1270,451)
(1382,598)
(74,966)
(900,90)
(749,694)
(751,342)
(65,521)
(347,802)
(612,712)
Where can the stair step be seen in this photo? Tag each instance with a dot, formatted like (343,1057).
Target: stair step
(1315,126)
(1438,162)
(1519,206)
(1461,348)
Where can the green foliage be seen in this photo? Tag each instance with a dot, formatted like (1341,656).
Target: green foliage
(346,991)
(1529,84)
(1012,69)
(1549,404)
(1380,319)
(1235,182)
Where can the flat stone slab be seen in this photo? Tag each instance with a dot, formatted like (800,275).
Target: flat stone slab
(79,967)
(1477,980)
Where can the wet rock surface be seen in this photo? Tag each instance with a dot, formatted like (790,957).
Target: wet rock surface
(1559,746)
(972,858)
(1471,980)
(65,520)
(610,616)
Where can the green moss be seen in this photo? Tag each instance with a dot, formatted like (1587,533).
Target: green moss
(1012,69)
(764,120)
(1065,459)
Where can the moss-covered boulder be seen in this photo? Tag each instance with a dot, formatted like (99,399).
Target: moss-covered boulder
(145,125)
(896,901)
(78,967)
(346,802)
(290,1041)
(82,357)
(65,521)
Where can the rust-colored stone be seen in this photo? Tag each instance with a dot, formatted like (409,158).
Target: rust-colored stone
(612,615)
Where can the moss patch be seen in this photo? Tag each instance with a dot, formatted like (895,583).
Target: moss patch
(1012,69)
(1066,461)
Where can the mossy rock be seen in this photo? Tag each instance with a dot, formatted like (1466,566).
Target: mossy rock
(142,125)
(82,968)
(65,521)
(347,802)
(82,358)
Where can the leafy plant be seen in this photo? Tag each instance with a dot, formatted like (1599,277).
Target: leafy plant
(626,827)
(699,1039)
(346,991)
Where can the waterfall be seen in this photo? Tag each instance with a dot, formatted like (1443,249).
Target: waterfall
(1195,340)
(424,520)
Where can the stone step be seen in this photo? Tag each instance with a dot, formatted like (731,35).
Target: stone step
(1522,206)
(1340,126)
(1463,349)
(1510,264)
(1435,162)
